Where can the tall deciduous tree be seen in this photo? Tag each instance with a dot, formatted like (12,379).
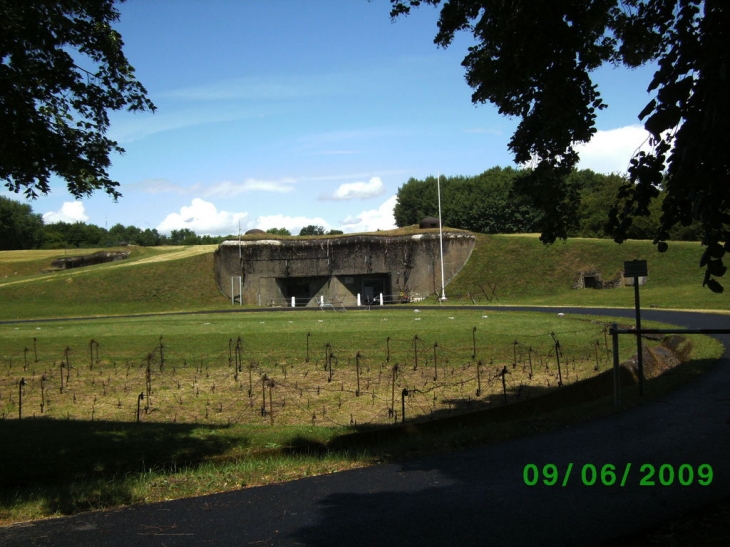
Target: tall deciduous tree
(484,203)
(533,59)
(312,230)
(20,228)
(278,231)
(62,69)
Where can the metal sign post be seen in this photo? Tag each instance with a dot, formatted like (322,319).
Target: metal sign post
(616,368)
(240,290)
(637,269)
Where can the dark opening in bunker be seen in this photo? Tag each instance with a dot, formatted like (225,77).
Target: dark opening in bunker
(301,288)
(591,282)
(369,287)
(373,287)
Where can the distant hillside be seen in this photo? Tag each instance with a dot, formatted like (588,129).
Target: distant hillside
(524,271)
(152,280)
(517,269)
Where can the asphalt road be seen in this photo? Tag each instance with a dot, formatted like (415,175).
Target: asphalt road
(473,497)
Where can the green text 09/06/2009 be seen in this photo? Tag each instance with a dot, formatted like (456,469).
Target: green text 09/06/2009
(610,475)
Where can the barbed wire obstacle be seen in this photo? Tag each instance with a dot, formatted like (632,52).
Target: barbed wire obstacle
(385,381)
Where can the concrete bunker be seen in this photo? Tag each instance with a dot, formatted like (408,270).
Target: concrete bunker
(429,222)
(593,279)
(100,257)
(263,271)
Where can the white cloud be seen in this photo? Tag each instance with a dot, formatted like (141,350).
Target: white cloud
(157,186)
(269,88)
(293,224)
(354,175)
(228,189)
(203,218)
(71,211)
(225,101)
(358,190)
(225,189)
(610,151)
(128,127)
(372,220)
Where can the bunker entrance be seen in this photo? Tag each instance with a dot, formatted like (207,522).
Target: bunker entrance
(303,289)
(369,287)
(373,287)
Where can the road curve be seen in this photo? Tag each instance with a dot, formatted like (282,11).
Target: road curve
(473,497)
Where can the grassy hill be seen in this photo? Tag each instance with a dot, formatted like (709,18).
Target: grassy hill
(524,271)
(95,473)
(517,269)
(151,280)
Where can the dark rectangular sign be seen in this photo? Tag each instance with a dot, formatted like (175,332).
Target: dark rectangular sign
(635,268)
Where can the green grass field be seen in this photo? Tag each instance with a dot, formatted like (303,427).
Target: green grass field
(210,403)
(502,270)
(523,270)
(328,368)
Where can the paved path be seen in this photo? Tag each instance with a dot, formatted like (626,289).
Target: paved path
(474,497)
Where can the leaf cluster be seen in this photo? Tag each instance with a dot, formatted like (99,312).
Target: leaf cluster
(533,60)
(20,228)
(62,69)
(491,203)
(485,203)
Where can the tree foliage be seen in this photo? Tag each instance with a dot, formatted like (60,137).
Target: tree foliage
(533,59)
(20,228)
(312,230)
(62,69)
(278,231)
(485,203)
(488,203)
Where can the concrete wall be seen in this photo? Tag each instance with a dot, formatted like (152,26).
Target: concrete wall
(339,268)
(100,257)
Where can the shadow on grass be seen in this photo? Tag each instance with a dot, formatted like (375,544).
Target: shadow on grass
(67,466)
(490,478)
(535,409)
(64,467)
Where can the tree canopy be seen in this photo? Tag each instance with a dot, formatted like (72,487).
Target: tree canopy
(279,231)
(533,59)
(20,228)
(485,203)
(312,230)
(488,203)
(62,69)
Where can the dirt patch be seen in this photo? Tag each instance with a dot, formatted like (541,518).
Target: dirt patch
(175,254)
(657,360)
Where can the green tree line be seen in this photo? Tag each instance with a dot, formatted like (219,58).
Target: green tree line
(490,203)
(21,228)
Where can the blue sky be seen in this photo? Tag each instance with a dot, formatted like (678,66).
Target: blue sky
(284,113)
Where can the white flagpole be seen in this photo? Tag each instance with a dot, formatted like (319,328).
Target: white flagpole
(441,237)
